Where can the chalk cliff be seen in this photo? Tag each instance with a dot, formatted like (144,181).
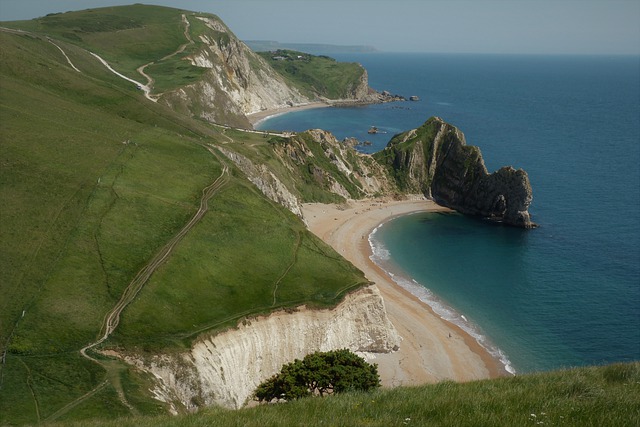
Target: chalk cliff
(266,181)
(238,81)
(226,368)
(435,160)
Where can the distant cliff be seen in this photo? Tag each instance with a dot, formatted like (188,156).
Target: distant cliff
(237,81)
(322,77)
(435,160)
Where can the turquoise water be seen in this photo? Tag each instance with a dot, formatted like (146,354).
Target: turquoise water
(567,293)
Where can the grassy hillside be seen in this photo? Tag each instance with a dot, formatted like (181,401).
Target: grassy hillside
(127,37)
(95,181)
(316,76)
(161,40)
(585,397)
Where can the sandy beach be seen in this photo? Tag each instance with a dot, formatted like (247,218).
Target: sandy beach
(432,349)
(256,118)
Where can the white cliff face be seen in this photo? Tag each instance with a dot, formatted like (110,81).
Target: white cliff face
(266,181)
(226,368)
(238,82)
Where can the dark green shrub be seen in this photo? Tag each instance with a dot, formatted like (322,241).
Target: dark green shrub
(320,373)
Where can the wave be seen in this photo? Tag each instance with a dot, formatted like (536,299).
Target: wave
(380,252)
(381,256)
(261,121)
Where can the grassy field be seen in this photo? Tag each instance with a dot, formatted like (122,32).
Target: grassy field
(126,37)
(130,37)
(94,180)
(585,397)
(316,75)
(282,264)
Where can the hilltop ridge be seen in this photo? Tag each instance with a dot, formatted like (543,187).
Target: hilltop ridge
(192,61)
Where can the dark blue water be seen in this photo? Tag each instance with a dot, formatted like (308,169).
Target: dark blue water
(567,293)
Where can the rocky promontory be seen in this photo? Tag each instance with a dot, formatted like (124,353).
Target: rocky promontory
(435,160)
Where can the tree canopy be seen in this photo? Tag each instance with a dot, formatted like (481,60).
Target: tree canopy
(320,373)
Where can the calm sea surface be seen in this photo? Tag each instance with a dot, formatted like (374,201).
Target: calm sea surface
(567,293)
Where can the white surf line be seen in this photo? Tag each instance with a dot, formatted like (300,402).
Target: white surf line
(145,88)
(65,55)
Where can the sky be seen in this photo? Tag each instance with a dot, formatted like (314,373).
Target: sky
(451,26)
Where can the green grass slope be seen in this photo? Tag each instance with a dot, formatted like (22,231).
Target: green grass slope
(587,397)
(127,37)
(94,181)
(316,76)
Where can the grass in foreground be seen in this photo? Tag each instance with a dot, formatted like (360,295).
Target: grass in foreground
(594,396)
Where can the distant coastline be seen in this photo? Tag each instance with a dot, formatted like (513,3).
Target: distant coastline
(312,48)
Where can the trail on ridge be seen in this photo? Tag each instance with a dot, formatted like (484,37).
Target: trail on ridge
(150,80)
(112,318)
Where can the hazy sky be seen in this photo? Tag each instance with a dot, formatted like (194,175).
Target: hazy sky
(478,26)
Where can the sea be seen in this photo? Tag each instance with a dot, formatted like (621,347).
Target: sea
(564,294)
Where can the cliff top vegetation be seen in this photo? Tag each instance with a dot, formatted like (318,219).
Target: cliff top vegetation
(316,76)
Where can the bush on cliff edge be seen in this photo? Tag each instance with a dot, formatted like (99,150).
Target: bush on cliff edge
(320,373)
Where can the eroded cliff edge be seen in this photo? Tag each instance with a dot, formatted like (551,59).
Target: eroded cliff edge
(435,160)
(238,82)
(225,369)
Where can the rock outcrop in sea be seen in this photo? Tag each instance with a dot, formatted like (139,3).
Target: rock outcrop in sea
(435,160)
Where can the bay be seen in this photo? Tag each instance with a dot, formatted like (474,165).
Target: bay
(567,293)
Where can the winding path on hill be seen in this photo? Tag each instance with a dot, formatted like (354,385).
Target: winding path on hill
(145,88)
(187,35)
(64,54)
(21,32)
(112,318)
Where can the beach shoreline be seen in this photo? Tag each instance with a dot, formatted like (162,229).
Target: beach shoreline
(432,349)
(260,116)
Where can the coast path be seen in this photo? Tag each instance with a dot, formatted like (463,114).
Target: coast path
(432,349)
(150,80)
(112,318)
